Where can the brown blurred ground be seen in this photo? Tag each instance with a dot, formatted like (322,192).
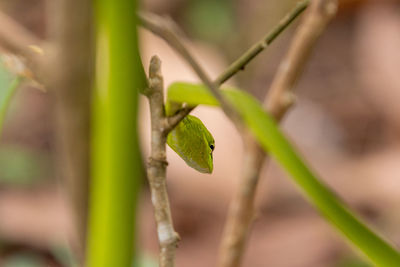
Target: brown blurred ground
(346,123)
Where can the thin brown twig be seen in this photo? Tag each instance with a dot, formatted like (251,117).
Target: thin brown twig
(277,102)
(175,119)
(157,166)
(166,30)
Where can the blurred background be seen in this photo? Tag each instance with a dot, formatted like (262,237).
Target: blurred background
(346,123)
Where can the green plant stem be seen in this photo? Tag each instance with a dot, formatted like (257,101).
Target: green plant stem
(5,102)
(258,47)
(116,164)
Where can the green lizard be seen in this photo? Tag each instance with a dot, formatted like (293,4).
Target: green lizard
(191,140)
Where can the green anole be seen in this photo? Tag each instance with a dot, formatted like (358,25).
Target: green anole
(191,140)
(191,143)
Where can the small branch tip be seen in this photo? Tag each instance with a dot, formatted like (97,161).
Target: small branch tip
(155,67)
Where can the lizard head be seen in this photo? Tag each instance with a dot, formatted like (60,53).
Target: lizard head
(193,143)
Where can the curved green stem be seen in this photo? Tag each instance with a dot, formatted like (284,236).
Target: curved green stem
(266,131)
(9,85)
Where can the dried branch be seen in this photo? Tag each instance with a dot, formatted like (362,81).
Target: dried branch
(157,166)
(277,102)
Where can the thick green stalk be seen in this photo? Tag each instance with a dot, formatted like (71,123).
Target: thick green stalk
(116,165)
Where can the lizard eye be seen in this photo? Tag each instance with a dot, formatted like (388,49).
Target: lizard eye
(212,147)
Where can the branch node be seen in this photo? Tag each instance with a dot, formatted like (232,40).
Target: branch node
(154,162)
(263,45)
(155,67)
(173,121)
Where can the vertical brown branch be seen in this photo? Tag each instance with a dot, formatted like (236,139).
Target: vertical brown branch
(279,98)
(241,209)
(157,166)
(277,102)
(69,74)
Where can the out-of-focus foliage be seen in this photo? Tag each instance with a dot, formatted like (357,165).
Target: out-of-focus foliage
(145,260)
(19,166)
(64,256)
(8,83)
(210,20)
(25,259)
(352,262)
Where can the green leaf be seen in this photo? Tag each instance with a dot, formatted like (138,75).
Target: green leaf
(352,262)
(209,19)
(24,259)
(192,94)
(266,131)
(8,84)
